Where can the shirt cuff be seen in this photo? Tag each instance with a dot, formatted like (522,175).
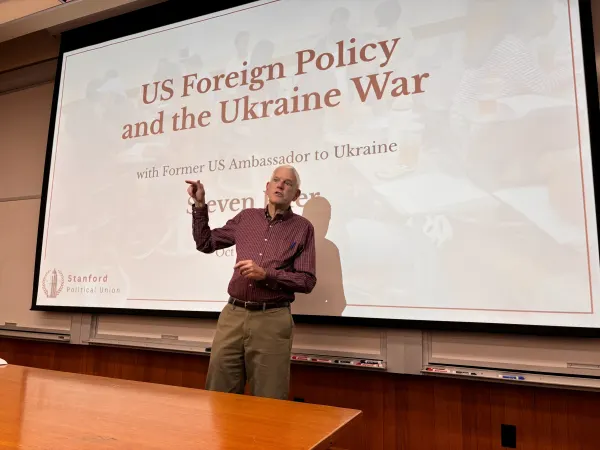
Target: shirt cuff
(200,212)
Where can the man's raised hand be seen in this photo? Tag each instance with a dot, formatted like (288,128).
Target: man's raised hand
(196,191)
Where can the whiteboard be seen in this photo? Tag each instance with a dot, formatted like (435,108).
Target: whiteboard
(342,341)
(543,354)
(197,335)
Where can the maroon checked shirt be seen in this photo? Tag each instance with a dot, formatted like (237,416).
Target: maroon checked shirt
(283,246)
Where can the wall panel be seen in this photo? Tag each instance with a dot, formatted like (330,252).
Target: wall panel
(24,121)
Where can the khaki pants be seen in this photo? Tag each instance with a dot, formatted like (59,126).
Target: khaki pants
(253,346)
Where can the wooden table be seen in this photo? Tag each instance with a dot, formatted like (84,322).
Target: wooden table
(43,409)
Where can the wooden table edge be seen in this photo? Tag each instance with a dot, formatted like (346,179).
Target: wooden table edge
(327,442)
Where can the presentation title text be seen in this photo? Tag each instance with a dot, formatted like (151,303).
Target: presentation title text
(250,82)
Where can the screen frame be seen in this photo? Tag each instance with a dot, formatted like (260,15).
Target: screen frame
(173,11)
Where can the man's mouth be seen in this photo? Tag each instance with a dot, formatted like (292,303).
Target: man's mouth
(279,194)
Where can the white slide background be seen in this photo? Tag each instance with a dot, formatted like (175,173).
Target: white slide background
(485,212)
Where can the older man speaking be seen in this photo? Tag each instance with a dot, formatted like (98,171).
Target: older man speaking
(275,259)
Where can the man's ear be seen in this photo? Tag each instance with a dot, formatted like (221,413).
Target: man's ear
(298,192)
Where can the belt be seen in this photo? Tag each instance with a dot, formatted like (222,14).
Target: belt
(257,306)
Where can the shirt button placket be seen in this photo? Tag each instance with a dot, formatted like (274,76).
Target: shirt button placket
(267,236)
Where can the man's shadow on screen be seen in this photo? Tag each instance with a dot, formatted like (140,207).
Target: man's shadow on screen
(327,298)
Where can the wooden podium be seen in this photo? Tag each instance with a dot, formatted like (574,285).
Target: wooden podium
(66,411)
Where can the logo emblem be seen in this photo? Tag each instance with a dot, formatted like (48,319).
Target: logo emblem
(52,283)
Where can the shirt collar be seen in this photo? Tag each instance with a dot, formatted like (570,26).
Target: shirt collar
(286,215)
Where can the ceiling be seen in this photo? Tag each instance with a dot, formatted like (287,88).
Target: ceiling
(16,9)
(21,17)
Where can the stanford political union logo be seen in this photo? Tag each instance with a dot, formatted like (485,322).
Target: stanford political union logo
(52,283)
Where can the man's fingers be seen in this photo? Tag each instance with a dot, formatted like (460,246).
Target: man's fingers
(246,267)
(195,185)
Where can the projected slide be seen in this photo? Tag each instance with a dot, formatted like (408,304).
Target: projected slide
(443,148)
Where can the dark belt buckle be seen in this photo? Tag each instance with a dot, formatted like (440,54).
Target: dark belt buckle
(252,306)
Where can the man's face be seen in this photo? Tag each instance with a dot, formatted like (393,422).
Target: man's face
(282,190)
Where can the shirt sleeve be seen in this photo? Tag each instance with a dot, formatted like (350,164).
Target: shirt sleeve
(302,276)
(207,240)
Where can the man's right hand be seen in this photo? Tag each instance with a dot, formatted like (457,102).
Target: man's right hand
(196,192)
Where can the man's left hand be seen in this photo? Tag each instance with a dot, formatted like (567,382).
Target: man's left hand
(251,270)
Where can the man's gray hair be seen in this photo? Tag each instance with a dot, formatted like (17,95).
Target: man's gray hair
(294,171)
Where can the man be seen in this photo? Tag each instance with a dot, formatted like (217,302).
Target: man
(275,259)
